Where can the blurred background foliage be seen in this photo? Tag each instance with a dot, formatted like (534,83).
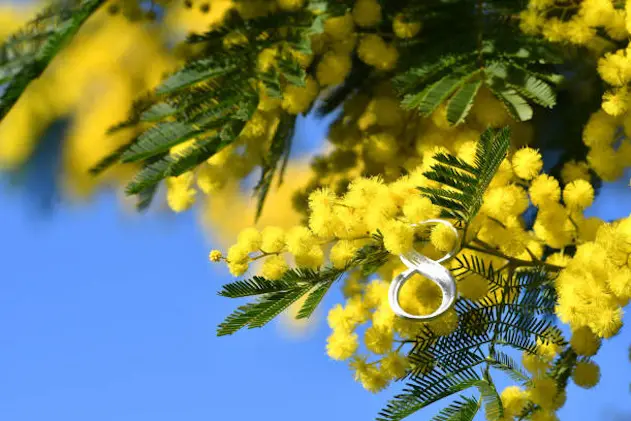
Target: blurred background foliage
(58,130)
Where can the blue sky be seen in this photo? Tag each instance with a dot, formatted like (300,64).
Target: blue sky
(106,316)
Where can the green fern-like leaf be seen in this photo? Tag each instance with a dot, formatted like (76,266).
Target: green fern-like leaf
(159,139)
(467,183)
(313,300)
(275,297)
(257,286)
(492,403)
(25,55)
(461,102)
(463,409)
(259,313)
(279,150)
(422,393)
(199,71)
(437,93)
(505,363)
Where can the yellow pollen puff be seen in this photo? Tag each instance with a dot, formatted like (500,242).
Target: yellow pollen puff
(372,379)
(584,342)
(473,287)
(339,27)
(534,364)
(312,259)
(298,99)
(586,374)
(443,238)
(382,147)
(578,195)
(342,253)
(547,350)
(333,69)
(342,344)
(237,268)
(300,240)
(616,101)
(373,50)
(340,319)
(544,190)
(395,365)
(376,293)
(600,129)
(366,13)
(404,29)
(607,322)
(250,239)
(397,237)
(378,340)
(620,283)
(237,254)
(357,309)
(267,59)
(543,392)
(215,256)
(527,163)
(274,267)
(417,208)
(514,400)
(272,239)
(530,21)
(573,170)
(180,193)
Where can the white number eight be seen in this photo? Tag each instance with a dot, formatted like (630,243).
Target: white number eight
(431,269)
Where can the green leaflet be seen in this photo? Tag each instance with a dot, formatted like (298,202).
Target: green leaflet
(256,286)
(409,402)
(280,146)
(42,39)
(515,104)
(259,313)
(150,175)
(157,112)
(473,265)
(492,403)
(467,183)
(435,94)
(461,102)
(159,139)
(503,362)
(274,306)
(313,300)
(524,82)
(463,409)
(197,72)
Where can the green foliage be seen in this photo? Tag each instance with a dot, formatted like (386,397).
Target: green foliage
(212,98)
(276,296)
(25,55)
(279,151)
(481,49)
(484,324)
(467,183)
(464,409)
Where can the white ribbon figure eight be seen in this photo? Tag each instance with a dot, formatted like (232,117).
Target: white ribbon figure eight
(431,269)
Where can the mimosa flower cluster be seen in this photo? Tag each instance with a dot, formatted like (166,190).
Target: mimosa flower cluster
(602,27)
(593,285)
